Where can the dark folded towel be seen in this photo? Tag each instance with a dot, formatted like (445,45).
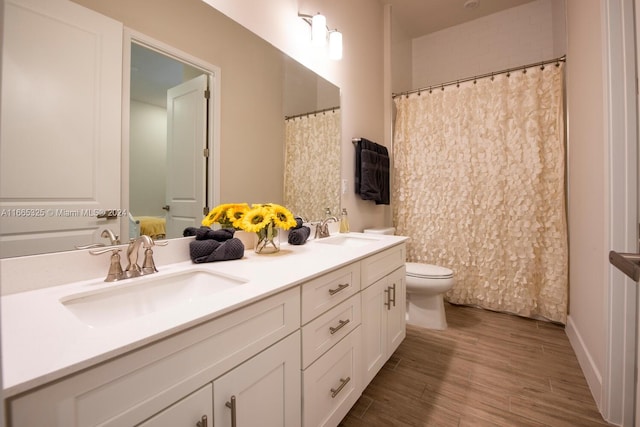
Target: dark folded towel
(372,180)
(210,250)
(205,233)
(299,222)
(298,236)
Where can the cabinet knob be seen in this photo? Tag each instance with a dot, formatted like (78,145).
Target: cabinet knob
(393,298)
(341,324)
(343,382)
(203,422)
(232,405)
(338,289)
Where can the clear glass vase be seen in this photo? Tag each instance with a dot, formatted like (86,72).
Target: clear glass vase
(267,240)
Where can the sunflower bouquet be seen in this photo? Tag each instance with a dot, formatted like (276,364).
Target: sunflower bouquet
(262,219)
(228,215)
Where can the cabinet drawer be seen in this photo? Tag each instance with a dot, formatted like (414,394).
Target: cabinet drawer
(324,332)
(332,384)
(319,295)
(379,265)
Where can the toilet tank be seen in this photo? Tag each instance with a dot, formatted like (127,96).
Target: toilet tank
(384,230)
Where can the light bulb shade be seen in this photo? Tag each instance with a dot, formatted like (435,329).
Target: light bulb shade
(319,30)
(335,45)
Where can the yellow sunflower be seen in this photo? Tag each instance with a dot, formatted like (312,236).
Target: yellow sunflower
(282,217)
(261,215)
(226,215)
(257,218)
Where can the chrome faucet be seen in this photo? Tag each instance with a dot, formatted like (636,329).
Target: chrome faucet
(113,238)
(133,269)
(148,265)
(322,229)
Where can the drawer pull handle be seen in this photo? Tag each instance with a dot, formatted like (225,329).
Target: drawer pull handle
(387,303)
(343,382)
(203,422)
(232,405)
(338,289)
(393,299)
(341,324)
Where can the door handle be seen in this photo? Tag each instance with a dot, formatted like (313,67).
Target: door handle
(628,263)
(166,208)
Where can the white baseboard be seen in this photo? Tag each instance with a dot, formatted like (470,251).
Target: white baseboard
(589,369)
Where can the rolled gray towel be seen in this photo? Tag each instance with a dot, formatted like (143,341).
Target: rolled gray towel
(210,250)
(298,236)
(205,233)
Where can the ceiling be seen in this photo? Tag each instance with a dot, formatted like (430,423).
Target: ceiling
(420,17)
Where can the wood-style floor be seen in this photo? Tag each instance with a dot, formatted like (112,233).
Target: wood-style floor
(486,369)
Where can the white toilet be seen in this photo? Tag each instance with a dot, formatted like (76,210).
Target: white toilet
(426,285)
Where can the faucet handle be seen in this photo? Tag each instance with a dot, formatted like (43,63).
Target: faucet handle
(115,268)
(148,265)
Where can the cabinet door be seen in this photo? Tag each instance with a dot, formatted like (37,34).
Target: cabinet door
(396,312)
(374,330)
(383,321)
(187,412)
(264,391)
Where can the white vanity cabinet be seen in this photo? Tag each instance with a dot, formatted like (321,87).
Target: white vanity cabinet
(331,346)
(166,379)
(383,308)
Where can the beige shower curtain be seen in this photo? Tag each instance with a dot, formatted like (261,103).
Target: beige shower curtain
(479,186)
(312,164)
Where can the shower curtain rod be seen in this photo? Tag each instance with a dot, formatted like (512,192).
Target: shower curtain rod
(522,68)
(312,112)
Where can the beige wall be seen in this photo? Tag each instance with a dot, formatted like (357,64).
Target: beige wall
(514,37)
(587,182)
(251,106)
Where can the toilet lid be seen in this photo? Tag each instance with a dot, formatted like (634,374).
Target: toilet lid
(428,271)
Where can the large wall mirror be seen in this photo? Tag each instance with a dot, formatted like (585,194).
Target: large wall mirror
(268,146)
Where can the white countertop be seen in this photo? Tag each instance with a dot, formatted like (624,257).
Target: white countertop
(43,341)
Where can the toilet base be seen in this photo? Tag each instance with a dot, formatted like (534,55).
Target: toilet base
(426,311)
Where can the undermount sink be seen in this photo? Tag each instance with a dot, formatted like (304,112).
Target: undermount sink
(349,240)
(137,297)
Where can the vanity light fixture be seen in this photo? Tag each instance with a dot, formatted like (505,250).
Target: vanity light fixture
(335,45)
(320,33)
(318,30)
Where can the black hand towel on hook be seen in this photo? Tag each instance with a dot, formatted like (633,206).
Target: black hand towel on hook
(372,172)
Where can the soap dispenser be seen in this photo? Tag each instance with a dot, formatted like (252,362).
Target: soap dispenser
(344,221)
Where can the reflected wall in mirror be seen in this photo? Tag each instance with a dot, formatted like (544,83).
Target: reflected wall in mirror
(254,84)
(168,136)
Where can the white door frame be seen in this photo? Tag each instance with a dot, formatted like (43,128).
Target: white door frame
(214,75)
(618,382)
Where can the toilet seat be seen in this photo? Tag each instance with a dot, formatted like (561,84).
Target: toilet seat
(428,271)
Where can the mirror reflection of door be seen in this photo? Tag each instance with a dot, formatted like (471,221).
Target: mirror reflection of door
(167,139)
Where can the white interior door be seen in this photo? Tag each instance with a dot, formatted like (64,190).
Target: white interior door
(61,121)
(186,144)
